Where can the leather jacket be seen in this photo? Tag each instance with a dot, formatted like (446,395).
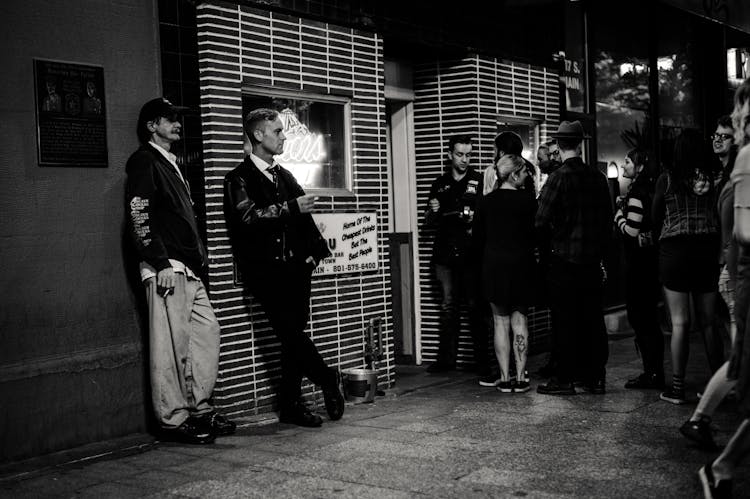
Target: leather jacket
(264,221)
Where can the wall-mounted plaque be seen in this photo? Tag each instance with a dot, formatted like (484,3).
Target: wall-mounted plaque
(70,114)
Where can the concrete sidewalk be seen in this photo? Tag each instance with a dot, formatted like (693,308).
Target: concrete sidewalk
(431,436)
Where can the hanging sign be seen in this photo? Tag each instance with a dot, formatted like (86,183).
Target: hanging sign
(572,80)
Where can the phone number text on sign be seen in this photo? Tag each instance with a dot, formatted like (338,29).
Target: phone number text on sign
(352,239)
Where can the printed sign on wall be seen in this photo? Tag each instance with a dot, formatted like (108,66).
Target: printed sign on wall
(572,79)
(71,114)
(352,239)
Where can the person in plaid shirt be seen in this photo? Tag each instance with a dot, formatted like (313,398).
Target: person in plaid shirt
(574,223)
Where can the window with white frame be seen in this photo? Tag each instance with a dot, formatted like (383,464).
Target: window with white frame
(317,130)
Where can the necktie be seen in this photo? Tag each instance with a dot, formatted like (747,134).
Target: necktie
(274,171)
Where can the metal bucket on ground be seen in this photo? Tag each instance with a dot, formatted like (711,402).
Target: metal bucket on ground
(360,385)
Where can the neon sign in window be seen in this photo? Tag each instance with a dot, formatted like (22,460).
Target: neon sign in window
(316,146)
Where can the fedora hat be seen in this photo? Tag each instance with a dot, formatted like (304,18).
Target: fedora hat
(570,130)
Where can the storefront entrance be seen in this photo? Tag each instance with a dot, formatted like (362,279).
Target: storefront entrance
(404,224)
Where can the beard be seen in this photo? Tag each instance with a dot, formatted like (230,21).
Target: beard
(549,166)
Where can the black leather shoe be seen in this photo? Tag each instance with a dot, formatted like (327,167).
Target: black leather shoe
(300,415)
(596,387)
(217,423)
(334,399)
(645,381)
(555,387)
(189,432)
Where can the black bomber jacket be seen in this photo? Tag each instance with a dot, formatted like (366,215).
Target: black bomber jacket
(161,217)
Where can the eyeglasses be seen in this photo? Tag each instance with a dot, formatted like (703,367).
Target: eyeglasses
(722,136)
(554,153)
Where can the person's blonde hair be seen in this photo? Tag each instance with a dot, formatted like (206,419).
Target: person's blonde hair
(507,165)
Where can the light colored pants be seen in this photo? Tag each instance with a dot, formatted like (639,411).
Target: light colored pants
(184,350)
(726,288)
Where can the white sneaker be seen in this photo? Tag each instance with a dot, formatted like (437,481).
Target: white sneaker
(490,381)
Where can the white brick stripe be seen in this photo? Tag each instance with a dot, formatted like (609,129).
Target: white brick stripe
(220,78)
(444,90)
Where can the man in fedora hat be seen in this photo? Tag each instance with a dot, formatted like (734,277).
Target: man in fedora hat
(574,217)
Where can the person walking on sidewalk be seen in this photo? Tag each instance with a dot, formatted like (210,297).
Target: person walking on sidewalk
(452,201)
(633,221)
(717,475)
(686,220)
(504,238)
(575,217)
(183,330)
(277,246)
(698,428)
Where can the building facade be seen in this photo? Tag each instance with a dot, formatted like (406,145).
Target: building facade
(369,92)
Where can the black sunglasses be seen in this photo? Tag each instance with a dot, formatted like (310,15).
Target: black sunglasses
(722,136)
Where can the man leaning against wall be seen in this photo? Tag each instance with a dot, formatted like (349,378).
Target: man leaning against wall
(450,211)
(183,330)
(277,246)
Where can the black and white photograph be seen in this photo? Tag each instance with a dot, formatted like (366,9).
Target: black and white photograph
(375,249)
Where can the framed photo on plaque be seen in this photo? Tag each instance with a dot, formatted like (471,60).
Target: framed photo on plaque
(70,114)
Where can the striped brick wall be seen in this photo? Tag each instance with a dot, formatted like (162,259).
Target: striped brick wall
(467,96)
(238,46)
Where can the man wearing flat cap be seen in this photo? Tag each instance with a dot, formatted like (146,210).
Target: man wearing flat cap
(183,330)
(574,220)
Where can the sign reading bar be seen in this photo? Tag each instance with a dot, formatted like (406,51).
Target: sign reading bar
(70,114)
(353,240)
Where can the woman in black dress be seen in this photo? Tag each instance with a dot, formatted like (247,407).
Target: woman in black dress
(504,235)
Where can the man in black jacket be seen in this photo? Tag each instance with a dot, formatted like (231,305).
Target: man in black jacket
(450,211)
(277,246)
(573,221)
(183,330)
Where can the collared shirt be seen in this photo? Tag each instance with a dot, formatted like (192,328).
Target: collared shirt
(147,271)
(575,212)
(263,166)
(172,160)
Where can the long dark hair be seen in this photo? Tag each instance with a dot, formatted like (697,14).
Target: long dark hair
(645,180)
(690,158)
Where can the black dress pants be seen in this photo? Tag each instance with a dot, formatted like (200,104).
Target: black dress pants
(581,347)
(460,285)
(283,291)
